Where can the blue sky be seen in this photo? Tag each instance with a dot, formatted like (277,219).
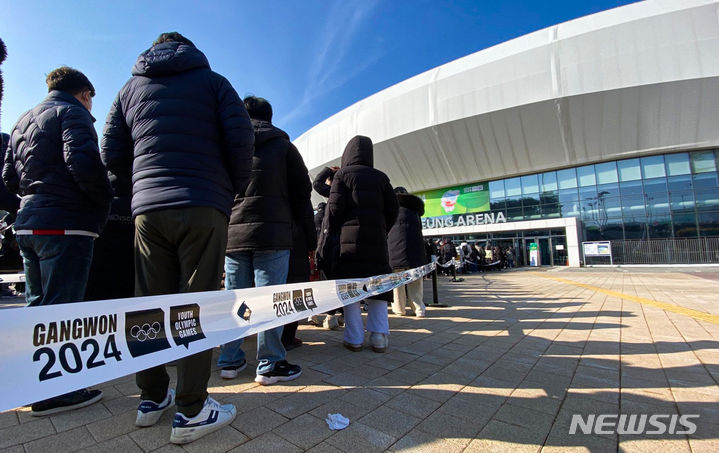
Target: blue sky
(309,58)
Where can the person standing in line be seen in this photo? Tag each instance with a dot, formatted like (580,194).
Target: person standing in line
(54,164)
(407,251)
(362,208)
(304,242)
(260,237)
(181,134)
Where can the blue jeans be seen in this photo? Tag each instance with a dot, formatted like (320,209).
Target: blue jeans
(56,268)
(264,268)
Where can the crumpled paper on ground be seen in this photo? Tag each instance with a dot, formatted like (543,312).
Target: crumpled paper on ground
(337,421)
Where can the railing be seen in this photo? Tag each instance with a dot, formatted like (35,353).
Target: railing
(663,251)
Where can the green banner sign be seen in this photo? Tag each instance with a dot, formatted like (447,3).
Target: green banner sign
(456,200)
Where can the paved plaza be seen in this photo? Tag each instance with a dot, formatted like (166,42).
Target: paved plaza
(504,368)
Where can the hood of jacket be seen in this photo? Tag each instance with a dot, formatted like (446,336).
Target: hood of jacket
(358,152)
(413,202)
(265,131)
(169,58)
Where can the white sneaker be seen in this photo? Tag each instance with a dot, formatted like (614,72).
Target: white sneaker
(149,412)
(212,417)
(379,341)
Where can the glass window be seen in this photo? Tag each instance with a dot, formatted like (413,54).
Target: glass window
(586,176)
(608,190)
(567,178)
(570,208)
(514,214)
(707,200)
(677,164)
(705,182)
(498,205)
(496,189)
(685,225)
(629,170)
(660,226)
(703,162)
(567,195)
(549,181)
(653,167)
(709,223)
(530,184)
(512,187)
(631,188)
(633,206)
(610,207)
(635,228)
(612,229)
(655,185)
(550,210)
(606,173)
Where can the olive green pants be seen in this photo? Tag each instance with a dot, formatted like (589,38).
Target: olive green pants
(179,250)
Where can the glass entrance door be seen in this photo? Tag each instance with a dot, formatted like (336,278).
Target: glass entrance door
(545,252)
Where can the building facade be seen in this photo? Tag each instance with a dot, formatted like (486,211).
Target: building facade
(603,128)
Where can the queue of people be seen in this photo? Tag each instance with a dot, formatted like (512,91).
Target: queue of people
(188,182)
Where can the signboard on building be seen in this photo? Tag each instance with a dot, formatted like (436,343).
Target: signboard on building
(458,206)
(533,254)
(456,200)
(598,248)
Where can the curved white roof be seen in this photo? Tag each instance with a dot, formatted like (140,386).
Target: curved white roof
(630,81)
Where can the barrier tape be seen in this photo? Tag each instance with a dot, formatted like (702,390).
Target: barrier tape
(12,278)
(54,349)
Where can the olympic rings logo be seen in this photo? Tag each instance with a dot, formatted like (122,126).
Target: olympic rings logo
(146,332)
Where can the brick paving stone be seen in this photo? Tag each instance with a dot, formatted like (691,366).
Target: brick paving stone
(445,425)
(113,427)
(324,447)
(122,444)
(19,434)
(421,442)
(305,431)
(71,440)
(365,398)
(390,421)
(8,419)
(498,436)
(340,407)
(220,441)
(358,437)
(256,422)
(267,443)
(413,404)
(295,404)
(72,419)
(15,449)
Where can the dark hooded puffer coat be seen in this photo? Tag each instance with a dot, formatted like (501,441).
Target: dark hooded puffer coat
(319,215)
(54,165)
(363,208)
(3,54)
(180,132)
(406,245)
(279,191)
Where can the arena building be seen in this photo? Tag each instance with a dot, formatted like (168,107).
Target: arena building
(604,128)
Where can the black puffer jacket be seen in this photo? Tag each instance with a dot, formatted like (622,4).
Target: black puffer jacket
(180,131)
(319,215)
(304,239)
(362,207)
(54,165)
(8,201)
(3,54)
(279,190)
(320,182)
(405,242)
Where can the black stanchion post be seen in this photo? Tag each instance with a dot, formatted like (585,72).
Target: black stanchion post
(435,297)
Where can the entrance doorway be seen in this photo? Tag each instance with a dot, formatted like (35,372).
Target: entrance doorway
(544,253)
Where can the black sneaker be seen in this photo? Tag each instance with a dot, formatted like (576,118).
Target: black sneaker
(283,372)
(231,372)
(66,402)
